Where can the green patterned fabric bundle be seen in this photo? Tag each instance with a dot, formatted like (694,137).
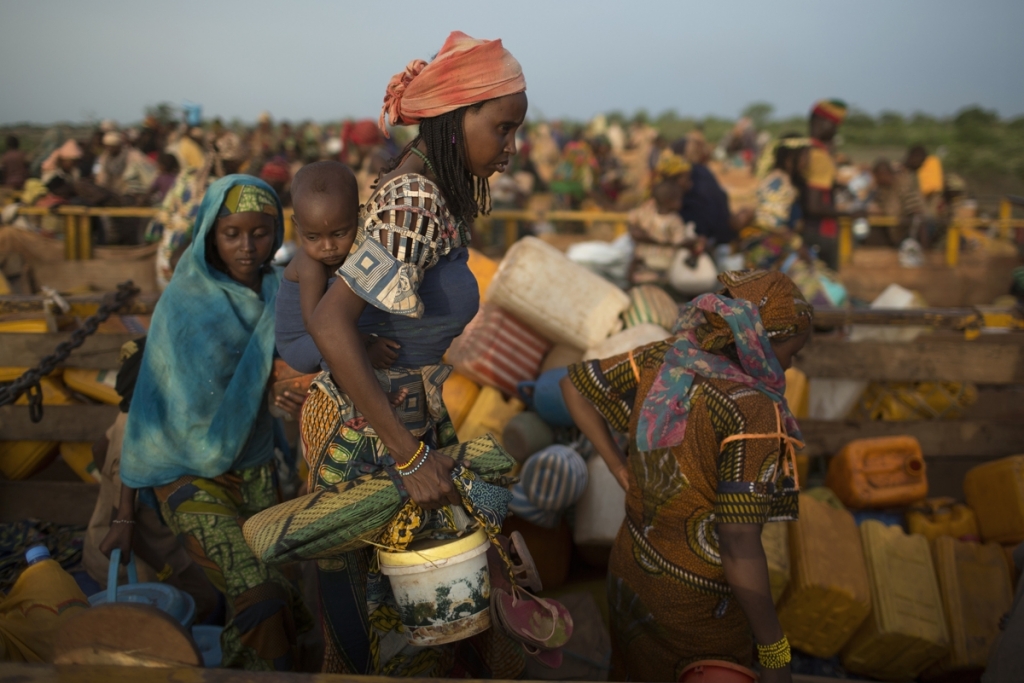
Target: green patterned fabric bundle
(351,514)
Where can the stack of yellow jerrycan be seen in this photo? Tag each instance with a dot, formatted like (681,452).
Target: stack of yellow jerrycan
(906,630)
(976,592)
(828,596)
(22,459)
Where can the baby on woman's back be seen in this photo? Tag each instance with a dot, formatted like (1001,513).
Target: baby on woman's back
(325,196)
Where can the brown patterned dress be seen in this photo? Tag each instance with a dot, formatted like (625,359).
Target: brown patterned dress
(669,601)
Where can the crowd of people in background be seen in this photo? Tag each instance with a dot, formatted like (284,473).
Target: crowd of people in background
(802,184)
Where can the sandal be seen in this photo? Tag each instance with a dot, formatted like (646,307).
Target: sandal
(531,620)
(552,659)
(549,658)
(525,571)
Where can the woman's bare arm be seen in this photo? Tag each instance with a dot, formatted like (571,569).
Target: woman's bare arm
(122,530)
(746,571)
(594,427)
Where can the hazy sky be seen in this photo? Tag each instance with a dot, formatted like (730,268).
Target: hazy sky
(86,59)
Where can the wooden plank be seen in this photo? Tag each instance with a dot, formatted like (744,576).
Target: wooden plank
(59,423)
(81,305)
(100,351)
(48,673)
(981,439)
(946,318)
(997,403)
(60,502)
(97,274)
(995,359)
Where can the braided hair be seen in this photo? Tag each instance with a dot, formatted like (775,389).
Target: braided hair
(466,195)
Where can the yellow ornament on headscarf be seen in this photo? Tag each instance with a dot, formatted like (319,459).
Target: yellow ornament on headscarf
(249,198)
(670,165)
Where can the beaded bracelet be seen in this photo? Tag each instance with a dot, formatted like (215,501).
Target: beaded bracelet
(418,453)
(122,521)
(776,655)
(426,452)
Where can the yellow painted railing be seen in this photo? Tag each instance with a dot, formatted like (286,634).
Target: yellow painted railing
(77,232)
(78,236)
(1005,223)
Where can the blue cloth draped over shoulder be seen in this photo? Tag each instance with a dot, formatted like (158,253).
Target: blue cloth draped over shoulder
(201,389)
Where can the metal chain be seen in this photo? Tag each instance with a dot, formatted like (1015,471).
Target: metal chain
(29,382)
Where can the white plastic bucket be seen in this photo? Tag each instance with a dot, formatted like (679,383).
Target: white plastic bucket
(442,588)
(602,509)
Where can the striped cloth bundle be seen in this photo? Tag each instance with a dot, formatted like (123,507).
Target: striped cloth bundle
(651,304)
(523,507)
(497,350)
(554,478)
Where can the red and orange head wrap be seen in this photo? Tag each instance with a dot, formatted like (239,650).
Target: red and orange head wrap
(833,110)
(464,72)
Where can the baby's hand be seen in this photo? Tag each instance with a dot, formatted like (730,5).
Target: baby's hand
(383,352)
(397,398)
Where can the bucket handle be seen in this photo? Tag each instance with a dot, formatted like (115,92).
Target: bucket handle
(115,563)
(526,392)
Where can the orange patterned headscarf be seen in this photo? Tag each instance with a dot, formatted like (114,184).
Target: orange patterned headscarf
(464,72)
(784,311)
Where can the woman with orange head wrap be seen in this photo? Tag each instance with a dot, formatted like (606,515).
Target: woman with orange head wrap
(407,278)
(710,461)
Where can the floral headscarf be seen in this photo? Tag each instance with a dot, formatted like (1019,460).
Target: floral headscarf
(754,308)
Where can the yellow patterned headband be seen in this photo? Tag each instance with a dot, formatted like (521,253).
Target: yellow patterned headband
(246,198)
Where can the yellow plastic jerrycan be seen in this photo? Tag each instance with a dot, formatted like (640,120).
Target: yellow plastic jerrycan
(78,456)
(489,415)
(906,630)
(888,471)
(798,394)
(22,459)
(97,384)
(828,596)
(459,393)
(43,598)
(976,592)
(995,491)
(936,517)
(483,270)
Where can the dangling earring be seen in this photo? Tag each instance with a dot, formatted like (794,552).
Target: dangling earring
(453,138)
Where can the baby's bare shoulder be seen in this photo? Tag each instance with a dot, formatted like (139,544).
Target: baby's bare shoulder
(302,268)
